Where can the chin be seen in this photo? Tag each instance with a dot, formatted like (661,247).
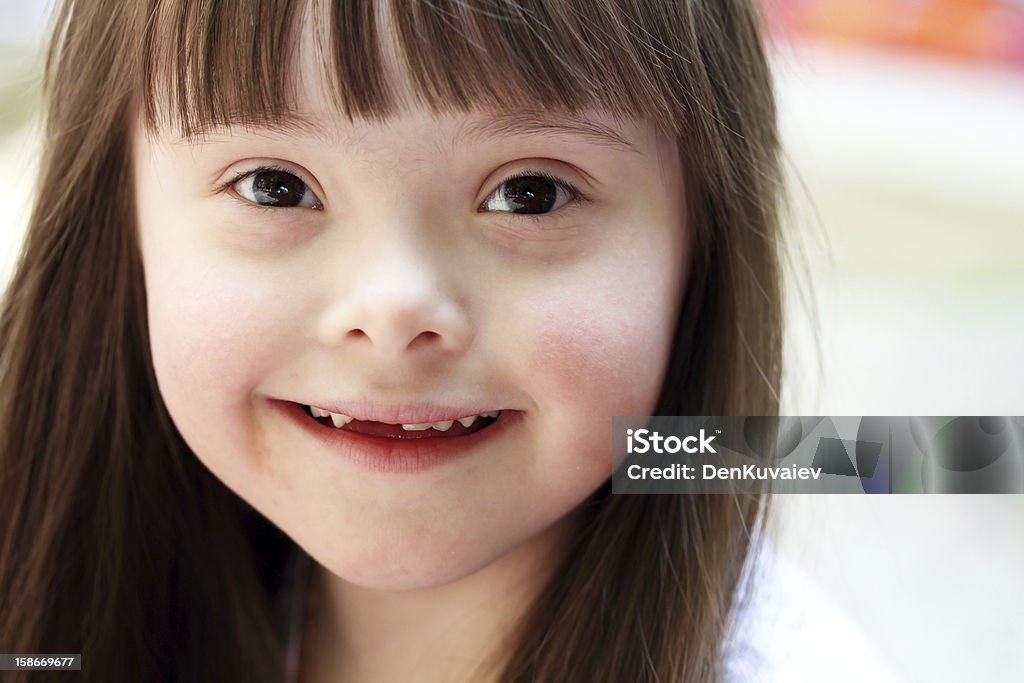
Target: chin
(404,567)
(388,576)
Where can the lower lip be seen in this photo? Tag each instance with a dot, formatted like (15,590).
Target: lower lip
(398,456)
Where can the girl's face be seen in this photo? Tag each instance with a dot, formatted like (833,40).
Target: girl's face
(516,261)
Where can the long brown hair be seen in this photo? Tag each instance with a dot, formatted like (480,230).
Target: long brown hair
(117,543)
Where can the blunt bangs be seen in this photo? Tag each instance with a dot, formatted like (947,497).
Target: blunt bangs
(214,63)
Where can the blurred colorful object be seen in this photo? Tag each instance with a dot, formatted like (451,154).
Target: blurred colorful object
(985,31)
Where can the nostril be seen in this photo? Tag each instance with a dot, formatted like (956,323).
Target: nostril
(428,337)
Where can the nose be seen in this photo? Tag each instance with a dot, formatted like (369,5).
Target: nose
(397,299)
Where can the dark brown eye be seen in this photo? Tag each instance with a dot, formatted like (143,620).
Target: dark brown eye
(272,187)
(529,194)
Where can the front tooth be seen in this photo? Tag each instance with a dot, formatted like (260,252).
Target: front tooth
(467,421)
(338,419)
(443,426)
(417,427)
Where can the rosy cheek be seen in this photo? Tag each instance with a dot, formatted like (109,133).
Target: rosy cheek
(593,362)
(210,335)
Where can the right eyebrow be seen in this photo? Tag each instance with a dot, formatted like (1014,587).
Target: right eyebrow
(284,124)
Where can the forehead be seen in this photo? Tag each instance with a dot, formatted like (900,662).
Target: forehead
(315,113)
(377,60)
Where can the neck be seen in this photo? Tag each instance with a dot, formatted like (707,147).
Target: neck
(459,631)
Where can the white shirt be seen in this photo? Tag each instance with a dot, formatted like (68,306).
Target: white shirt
(794,632)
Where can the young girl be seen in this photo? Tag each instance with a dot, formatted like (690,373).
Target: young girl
(323,313)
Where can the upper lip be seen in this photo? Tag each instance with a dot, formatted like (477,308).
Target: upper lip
(366,410)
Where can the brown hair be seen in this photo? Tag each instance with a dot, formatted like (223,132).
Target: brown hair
(117,543)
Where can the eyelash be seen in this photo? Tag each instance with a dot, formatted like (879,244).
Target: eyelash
(238,176)
(576,197)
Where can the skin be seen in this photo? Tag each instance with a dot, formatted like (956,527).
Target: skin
(400,289)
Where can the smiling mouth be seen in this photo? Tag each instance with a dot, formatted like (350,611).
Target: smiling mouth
(446,429)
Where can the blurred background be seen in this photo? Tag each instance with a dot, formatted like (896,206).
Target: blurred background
(903,124)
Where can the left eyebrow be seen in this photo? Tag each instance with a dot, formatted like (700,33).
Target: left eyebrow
(534,123)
